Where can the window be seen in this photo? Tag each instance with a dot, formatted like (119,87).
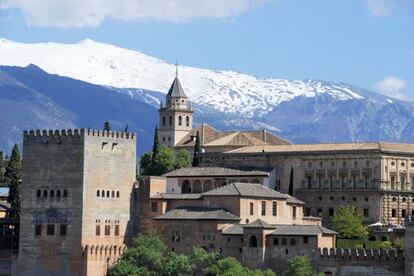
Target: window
(169,138)
(170,120)
(392,182)
(98,230)
(309,182)
(116,230)
(107,230)
(253,241)
(284,242)
(98,193)
(263,208)
(366,181)
(38,230)
(366,212)
(50,230)
(38,193)
(331,212)
(45,193)
(117,194)
(108,194)
(403,213)
(292,242)
(330,182)
(274,208)
(305,239)
(342,182)
(354,182)
(65,193)
(52,193)
(180,120)
(251,208)
(103,193)
(175,236)
(294,212)
(63,229)
(319,212)
(402,180)
(320,182)
(113,193)
(276,241)
(154,207)
(307,211)
(163,120)
(393,213)
(187,121)
(58,193)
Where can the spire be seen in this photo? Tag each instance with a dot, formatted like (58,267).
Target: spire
(176,69)
(176,90)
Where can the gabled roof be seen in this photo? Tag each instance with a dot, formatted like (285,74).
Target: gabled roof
(258,223)
(176,90)
(219,171)
(199,213)
(300,230)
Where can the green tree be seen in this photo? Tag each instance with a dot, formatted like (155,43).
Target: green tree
(201,259)
(197,150)
(2,167)
(145,164)
(155,145)
(182,160)
(164,161)
(107,126)
(12,177)
(348,223)
(300,266)
(177,264)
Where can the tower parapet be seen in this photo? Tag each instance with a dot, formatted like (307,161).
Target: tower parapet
(63,133)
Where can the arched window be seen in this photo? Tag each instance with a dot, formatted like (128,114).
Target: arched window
(117,194)
(98,193)
(197,188)
(276,241)
(187,121)
(65,193)
(170,120)
(180,120)
(108,194)
(293,242)
(186,187)
(52,193)
(45,193)
(284,242)
(253,241)
(38,193)
(208,185)
(58,193)
(103,193)
(113,193)
(163,120)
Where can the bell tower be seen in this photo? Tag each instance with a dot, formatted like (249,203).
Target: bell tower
(176,116)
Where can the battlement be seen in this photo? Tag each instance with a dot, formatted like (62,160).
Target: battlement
(72,133)
(360,254)
(103,250)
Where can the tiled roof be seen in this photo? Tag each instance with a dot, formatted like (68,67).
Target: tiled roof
(233,229)
(258,223)
(300,148)
(175,196)
(300,230)
(176,90)
(198,213)
(210,137)
(219,171)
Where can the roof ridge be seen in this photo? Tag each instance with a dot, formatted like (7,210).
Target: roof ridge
(236,189)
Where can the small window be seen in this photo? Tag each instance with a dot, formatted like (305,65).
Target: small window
(58,193)
(113,194)
(274,208)
(284,242)
(319,212)
(175,236)
(294,212)
(251,208)
(366,212)
(305,239)
(98,230)
(103,193)
(170,120)
(393,213)
(116,230)
(38,193)
(403,213)
(63,229)
(154,206)
(275,241)
(44,193)
(52,193)
(117,194)
(98,193)
(263,208)
(187,121)
(253,241)
(180,120)
(50,230)
(65,193)
(38,230)
(163,139)
(292,242)
(163,120)
(331,212)
(107,230)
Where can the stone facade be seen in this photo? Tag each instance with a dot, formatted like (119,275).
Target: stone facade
(76,201)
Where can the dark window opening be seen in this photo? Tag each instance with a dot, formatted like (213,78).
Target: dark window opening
(154,207)
(366,212)
(65,193)
(50,230)
(108,194)
(284,241)
(38,230)
(38,193)
(103,193)
(107,230)
(116,230)
(52,193)
(251,208)
(63,229)
(393,213)
(276,241)
(263,208)
(117,194)
(45,193)
(98,230)
(180,120)
(274,208)
(292,242)
(98,193)
(305,239)
(113,194)
(253,241)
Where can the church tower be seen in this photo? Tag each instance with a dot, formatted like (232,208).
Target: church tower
(176,116)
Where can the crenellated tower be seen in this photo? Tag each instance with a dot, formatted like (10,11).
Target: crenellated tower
(176,116)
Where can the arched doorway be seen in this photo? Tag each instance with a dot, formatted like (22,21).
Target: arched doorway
(186,187)
(253,241)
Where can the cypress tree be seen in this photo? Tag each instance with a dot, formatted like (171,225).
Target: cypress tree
(1,167)
(155,145)
(197,149)
(291,182)
(107,126)
(13,176)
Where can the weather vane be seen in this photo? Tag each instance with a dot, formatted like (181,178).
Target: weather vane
(176,68)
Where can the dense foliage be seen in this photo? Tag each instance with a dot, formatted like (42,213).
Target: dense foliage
(12,178)
(348,223)
(149,256)
(300,266)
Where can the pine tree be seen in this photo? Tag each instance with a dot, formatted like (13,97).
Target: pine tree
(13,176)
(1,167)
(155,145)
(107,126)
(197,149)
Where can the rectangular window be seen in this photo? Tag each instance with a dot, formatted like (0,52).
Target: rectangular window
(263,208)
(393,213)
(331,212)
(366,212)
(50,230)
(354,182)
(320,182)
(343,182)
(116,230)
(294,212)
(319,212)
(107,230)
(63,229)
(309,182)
(403,213)
(154,206)
(175,236)
(366,181)
(392,182)
(251,208)
(98,230)
(402,179)
(38,230)
(307,212)
(305,239)
(274,208)
(330,182)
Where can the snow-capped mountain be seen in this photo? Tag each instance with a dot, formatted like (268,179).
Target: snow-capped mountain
(225,91)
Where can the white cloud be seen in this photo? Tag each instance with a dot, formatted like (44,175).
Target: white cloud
(380,8)
(391,86)
(80,13)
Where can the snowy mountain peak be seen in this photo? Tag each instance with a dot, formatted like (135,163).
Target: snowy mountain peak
(225,91)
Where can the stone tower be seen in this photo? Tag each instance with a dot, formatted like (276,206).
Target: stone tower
(76,201)
(176,117)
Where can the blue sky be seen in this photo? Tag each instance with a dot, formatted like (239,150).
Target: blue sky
(368,43)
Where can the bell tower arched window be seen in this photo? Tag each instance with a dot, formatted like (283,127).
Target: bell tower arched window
(180,120)
(187,121)
(163,120)
(170,120)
